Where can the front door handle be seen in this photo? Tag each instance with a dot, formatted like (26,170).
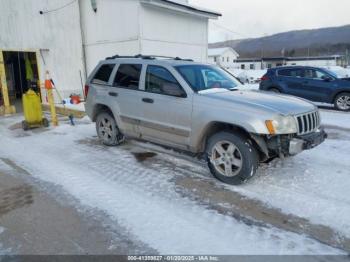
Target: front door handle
(148,100)
(113,94)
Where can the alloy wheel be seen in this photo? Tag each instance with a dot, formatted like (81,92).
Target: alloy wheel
(343,102)
(226,159)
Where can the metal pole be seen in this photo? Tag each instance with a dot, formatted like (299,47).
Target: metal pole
(7,108)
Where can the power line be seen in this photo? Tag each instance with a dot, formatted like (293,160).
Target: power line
(57,9)
(229,30)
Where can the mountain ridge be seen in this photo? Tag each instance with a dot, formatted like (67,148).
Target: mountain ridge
(305,42)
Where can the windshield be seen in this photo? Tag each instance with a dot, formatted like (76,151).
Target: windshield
(204,77)
(333,74)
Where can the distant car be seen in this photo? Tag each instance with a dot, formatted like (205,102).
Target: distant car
(312,83)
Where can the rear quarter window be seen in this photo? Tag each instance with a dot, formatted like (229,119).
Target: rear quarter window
(103,74)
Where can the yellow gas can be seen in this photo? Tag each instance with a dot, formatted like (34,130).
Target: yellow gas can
(32,110)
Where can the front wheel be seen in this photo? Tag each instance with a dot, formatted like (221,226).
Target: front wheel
(107,130)
(231,158)
(342,102)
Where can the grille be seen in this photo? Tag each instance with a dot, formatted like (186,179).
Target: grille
(308,123)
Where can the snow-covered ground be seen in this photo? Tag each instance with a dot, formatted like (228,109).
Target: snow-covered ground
(145,200)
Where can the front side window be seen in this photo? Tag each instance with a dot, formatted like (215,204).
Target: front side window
(128,76)
(103,74)
(316,74)
(204,77)
(159,80)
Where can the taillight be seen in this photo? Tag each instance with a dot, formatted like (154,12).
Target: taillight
(86,91)
(264,78)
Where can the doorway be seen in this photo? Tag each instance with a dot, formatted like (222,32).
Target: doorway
(21,69)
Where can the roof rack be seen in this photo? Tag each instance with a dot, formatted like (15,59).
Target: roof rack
(149,57)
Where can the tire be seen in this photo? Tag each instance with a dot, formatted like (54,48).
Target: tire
(342,102)
(45,122)
(275,90)
(243,161)
(107,129)
(25,126)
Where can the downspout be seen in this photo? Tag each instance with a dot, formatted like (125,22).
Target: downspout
(140,33)
(82,41)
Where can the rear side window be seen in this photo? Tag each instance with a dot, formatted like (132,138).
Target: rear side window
(290,72)
(158,78)
(284,72)
(128,76)
(103,74)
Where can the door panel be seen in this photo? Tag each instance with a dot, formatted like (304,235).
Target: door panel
(124,97)
(167,118)
(315,87)
(166,109)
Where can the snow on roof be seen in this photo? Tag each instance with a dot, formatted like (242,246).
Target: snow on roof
(183,5)
(220,51)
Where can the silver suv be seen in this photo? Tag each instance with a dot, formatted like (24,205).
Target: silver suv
(201,109)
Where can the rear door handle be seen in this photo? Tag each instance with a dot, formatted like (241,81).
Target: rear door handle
(113,94)
(148,100)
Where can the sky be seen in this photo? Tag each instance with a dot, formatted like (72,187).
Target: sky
(256,18)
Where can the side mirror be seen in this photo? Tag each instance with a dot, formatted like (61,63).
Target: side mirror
(173,90)
(327,78)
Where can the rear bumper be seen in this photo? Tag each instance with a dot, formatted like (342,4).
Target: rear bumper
(309,141)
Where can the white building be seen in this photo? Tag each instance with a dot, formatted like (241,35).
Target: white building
(69,38)
(224,57)
(270,62)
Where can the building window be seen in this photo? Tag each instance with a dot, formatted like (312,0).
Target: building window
(242,66)
(215,59)
(228,59)
(269,66)
(223,59)
(252,67)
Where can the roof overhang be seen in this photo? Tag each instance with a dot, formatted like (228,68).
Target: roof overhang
(183,8)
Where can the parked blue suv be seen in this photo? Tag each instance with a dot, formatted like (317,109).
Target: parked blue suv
(312,83)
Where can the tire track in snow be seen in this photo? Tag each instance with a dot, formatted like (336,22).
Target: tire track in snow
(145,202)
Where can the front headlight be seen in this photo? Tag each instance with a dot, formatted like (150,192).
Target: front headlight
(282,125)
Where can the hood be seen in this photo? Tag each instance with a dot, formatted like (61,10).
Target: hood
(281,104)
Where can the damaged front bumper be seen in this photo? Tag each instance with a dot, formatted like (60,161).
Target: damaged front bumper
(288,145)
(305,142)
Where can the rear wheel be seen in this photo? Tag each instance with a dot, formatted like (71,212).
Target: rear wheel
(25,125)
(45,122)
(342,102)
(107,130)
(231,158)
(274,90)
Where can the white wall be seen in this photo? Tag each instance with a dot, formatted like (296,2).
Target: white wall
(22,28)
(171,33)
(124,27)
(225,60)
(113,29)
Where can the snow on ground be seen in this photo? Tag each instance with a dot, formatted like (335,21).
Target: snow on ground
(334,118)
(313,184)
(2,250)
(145,201)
